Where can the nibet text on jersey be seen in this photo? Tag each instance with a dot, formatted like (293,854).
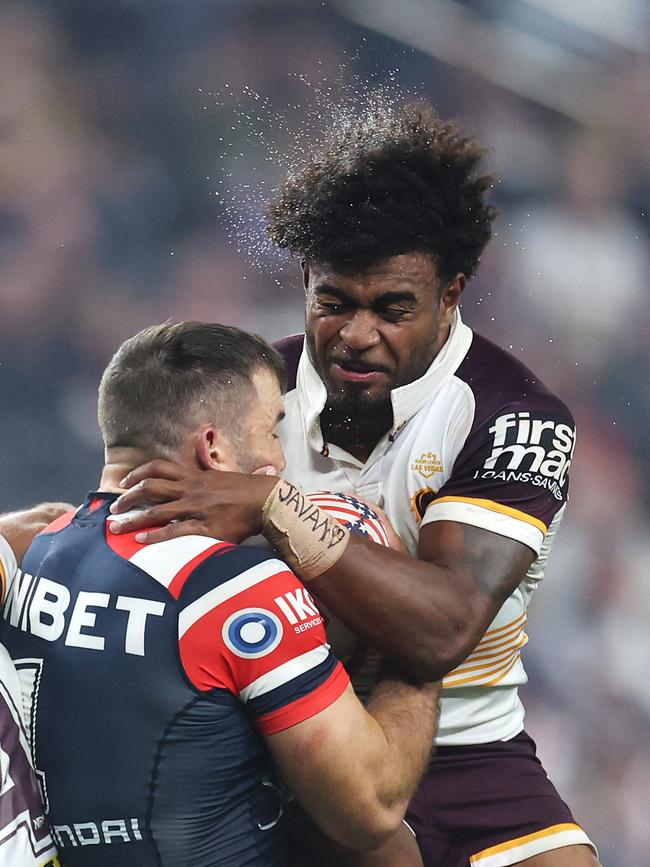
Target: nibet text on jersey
(44,608)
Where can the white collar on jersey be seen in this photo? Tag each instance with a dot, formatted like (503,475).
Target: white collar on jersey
(406,399)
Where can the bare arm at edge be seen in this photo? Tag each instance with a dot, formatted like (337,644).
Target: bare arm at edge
(19,528)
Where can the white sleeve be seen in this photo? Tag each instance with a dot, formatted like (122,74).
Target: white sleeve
(8,567)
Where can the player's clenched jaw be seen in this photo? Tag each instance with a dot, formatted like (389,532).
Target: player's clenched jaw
(372,330)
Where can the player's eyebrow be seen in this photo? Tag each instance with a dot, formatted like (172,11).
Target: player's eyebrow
(395,297)
(386,298)
(328,289)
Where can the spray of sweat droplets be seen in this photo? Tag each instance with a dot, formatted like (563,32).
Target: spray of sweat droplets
(263,145)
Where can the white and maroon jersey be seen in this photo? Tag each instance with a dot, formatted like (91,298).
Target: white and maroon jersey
(154,669)
(477,439)
(25,839)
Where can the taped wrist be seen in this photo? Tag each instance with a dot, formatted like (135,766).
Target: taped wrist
(308,539)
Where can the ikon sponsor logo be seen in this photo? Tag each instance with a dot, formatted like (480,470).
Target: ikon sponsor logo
(252,632)
(532,446)
(300,609)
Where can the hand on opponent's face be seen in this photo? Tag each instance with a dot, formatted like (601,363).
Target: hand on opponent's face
(166,500)
(178,501)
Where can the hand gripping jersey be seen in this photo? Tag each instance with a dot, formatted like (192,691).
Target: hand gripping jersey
(151,672)
(25,839)
(477,439)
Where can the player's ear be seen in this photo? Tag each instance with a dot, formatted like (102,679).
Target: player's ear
(304,264)
(451,294)
(213,450)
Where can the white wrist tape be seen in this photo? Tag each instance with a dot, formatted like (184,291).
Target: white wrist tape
(308,539)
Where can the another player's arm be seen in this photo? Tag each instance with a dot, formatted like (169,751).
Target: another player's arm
(428,612)
(431,611)
(19,528)
(354,769)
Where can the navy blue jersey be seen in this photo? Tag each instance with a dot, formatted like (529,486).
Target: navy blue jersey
(151,672)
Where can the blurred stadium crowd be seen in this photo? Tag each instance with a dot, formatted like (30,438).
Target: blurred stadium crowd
(111,158)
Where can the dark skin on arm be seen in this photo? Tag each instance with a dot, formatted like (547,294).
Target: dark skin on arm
(426,612)
(431,611)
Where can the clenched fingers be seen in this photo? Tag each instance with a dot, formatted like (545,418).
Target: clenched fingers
(156,469)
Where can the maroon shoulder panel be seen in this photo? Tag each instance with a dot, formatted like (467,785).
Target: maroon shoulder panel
(521,443)
(290,348)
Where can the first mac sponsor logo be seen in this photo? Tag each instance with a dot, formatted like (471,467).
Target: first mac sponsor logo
(532,449)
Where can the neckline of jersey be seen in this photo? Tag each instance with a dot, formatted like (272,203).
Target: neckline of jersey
(406,400)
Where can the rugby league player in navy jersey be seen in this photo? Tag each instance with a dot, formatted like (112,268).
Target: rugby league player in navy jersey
(163,680)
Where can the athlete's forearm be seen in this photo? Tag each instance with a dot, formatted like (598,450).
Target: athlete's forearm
(391,746)
(407,715)
(355,771)
(404,607)
(414,612)
(428,612)
(19,528)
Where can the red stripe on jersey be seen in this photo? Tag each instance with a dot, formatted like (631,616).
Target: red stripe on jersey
(178,581)
(307,706)
(209,663)
(60,523)
(95,504)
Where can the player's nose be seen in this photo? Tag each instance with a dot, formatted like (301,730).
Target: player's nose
(360,332)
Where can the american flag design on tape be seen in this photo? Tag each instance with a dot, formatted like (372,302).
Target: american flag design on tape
(354,514)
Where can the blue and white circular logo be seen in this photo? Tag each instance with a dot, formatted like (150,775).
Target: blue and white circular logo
(252,632)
